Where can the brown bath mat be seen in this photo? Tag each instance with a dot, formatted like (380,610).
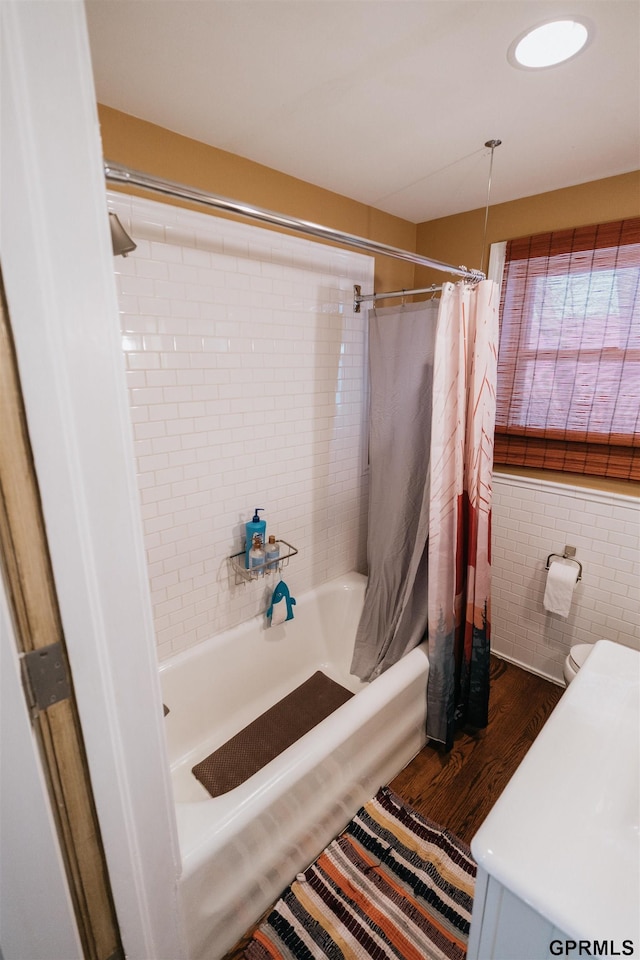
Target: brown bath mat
(267,736)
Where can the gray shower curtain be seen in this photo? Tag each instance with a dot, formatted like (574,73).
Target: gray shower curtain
(401,353)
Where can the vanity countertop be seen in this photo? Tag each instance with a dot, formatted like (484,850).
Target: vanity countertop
(564,835)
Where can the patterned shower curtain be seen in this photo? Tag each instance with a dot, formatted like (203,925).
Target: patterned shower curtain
(459,553)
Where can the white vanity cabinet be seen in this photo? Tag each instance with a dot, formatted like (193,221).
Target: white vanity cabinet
(559,854)
(504,927)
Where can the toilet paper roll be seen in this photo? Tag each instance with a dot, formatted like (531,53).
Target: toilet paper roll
(561,581)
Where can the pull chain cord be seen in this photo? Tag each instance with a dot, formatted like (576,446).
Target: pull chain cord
(493,144)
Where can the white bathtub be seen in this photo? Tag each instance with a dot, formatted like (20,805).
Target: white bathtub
(240,850)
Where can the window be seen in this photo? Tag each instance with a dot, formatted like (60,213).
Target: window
(569,361)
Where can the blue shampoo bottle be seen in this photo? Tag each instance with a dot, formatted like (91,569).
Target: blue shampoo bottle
(255,526)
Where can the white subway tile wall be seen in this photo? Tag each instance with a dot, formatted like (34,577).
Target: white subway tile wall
(532,519)
(246,365)
(246,374)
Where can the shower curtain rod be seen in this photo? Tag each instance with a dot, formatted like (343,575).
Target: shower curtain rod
(359,297)
(116,173)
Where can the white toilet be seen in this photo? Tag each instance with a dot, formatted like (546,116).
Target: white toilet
(575,659)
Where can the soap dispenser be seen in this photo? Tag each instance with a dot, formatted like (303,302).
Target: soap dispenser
(255,527)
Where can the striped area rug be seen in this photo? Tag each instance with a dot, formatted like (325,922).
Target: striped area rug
(392,885)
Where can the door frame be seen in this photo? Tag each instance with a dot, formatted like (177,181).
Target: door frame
(31,872)
(58,273)
(25,568)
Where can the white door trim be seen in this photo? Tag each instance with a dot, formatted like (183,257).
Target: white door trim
(58,272)
(32,874)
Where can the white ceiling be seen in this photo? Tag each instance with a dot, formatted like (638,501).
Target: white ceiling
(389,102)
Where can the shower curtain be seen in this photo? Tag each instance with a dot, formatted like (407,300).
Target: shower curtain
(432,414)
(394,617)
(464,403)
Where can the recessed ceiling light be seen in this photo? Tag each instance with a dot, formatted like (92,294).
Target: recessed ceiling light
(549,44)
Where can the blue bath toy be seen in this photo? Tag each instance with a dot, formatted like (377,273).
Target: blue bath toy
(281,606)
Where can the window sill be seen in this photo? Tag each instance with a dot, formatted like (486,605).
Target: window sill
(626,487)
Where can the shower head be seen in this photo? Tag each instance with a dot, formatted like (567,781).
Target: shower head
(120,240)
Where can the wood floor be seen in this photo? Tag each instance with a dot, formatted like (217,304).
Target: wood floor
(458,789)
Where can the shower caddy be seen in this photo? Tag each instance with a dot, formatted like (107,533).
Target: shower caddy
(242,575)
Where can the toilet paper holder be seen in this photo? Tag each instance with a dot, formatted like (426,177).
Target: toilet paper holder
(569,554)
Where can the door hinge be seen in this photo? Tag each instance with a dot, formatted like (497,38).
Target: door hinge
(45,676)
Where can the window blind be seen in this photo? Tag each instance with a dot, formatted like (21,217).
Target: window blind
(568,393)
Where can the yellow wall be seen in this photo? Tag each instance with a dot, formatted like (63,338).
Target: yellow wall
(458,239)
(155,150)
